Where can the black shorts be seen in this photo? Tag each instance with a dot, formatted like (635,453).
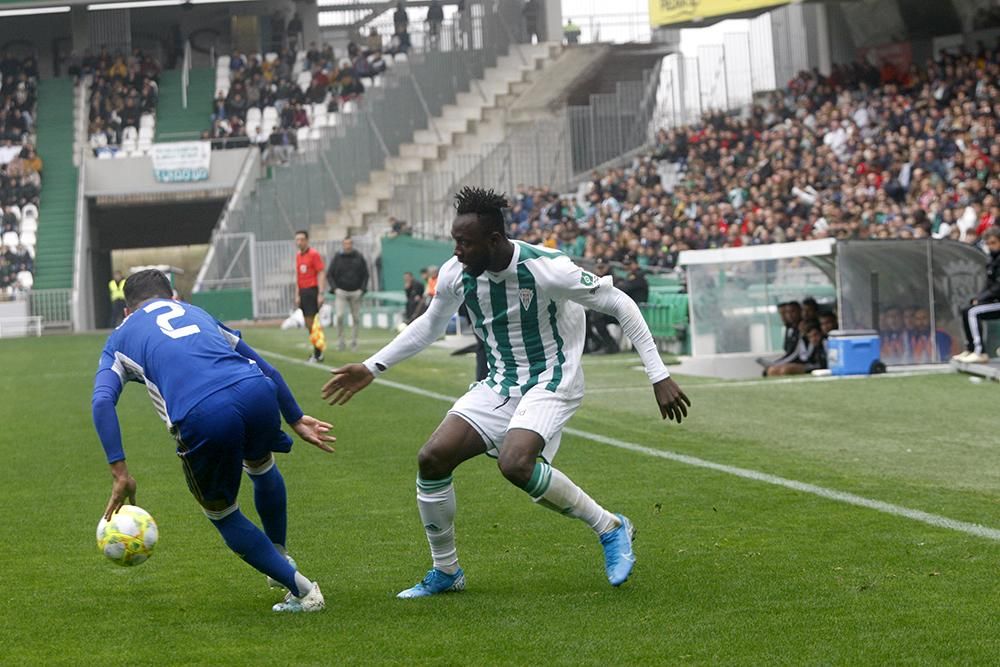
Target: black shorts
(309,301)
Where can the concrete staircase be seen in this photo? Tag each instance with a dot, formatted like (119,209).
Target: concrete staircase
(439,155)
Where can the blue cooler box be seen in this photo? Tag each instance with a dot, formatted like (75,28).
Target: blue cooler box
(852,352)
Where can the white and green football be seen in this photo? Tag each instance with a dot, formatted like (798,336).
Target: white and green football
(128,539)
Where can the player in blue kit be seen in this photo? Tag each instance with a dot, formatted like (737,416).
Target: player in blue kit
(223,404)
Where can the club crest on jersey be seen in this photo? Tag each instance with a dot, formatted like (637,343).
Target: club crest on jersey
(588,279)
(526,296)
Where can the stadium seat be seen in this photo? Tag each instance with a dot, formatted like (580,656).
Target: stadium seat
(270,117)
(350,106)
(315,133)
(223,61)
(146,133)
(10,240)
(30,211)
(28,238)
(254,116)
(25,280)
(29,225)
(319,110)
(16,210)
(321,121)
(147,120)
(302,134)
(304,81)
(271,57)
(130,135)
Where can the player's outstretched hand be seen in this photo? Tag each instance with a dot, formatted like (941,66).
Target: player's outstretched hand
(314,432)
(672,401)
(346,381)
(121,489)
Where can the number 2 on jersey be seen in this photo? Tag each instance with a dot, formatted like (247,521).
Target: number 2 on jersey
(163,321)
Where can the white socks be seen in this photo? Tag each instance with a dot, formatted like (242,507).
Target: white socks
(551,488)
(303,584)
(436,502)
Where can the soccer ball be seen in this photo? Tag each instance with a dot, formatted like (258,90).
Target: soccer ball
(129,538)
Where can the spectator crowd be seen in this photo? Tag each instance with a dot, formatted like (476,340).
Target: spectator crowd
(324,83)
(862,153)
(122,89)
(20,172)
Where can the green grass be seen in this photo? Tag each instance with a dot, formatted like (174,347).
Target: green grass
(730,571)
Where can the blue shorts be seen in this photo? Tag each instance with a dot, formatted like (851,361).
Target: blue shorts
(240,422)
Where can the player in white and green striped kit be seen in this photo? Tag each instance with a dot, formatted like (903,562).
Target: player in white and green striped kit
(527,305)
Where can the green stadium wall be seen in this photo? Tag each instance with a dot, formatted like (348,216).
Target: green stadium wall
(227,304)
(405,253)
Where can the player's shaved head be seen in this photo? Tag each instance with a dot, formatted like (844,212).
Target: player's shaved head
(144,285)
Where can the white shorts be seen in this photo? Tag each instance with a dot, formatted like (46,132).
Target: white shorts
(492,415)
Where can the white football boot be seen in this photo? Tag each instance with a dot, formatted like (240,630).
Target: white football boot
(311,601)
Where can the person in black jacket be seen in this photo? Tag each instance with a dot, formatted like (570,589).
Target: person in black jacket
(985,306)
(348,277)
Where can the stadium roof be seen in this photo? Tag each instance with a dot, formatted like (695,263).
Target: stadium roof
(35,7)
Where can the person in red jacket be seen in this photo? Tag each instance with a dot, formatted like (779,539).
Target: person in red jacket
(310,285)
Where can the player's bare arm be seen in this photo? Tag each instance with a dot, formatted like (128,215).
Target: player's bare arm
(122,489)
(315,432)
(345,383)
(672,401)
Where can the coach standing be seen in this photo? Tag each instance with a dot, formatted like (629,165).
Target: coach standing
(348,278)
(309,279)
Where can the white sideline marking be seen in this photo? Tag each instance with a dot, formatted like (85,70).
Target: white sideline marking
(804,379)
(830,494)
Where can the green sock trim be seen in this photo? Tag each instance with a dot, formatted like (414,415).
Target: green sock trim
(432,485)
(541,477)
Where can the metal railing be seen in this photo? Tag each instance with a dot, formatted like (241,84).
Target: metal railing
(54,306)
(186,74)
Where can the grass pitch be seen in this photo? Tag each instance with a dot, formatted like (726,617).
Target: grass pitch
(730,570)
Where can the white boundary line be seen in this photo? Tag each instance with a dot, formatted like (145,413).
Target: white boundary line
(936,520)
(804,379)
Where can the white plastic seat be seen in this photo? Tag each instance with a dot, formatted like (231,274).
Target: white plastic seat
(104,154)
(147,120)
(16,210)
(29,225)
(349,107)
(223,61)
(128,147)
(130,135)
(30,211)
(270,57)
(321,121)
(121,154)
(10,240)
(145,133)
(315,133)
(269,117)
(254,116)
(318,109)
(25,279)
(302,134)
(144,145)
(28,238)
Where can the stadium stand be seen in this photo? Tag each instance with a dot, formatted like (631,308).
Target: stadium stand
(862,153)
(277,99)
(20,173)
(123,94)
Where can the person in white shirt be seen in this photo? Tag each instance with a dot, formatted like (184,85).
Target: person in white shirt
(527,305)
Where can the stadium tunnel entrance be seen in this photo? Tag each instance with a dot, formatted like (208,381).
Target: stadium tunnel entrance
(123,206)
(128,226)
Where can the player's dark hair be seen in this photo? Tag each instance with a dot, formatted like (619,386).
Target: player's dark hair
(486,205)
(992,233)
(303,232)
(146,284)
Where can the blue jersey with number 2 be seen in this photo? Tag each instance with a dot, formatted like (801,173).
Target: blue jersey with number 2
(181,353)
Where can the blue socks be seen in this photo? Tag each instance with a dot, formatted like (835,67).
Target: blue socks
(253,546)
(271,501)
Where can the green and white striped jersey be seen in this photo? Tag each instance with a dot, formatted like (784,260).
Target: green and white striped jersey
(531,318)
